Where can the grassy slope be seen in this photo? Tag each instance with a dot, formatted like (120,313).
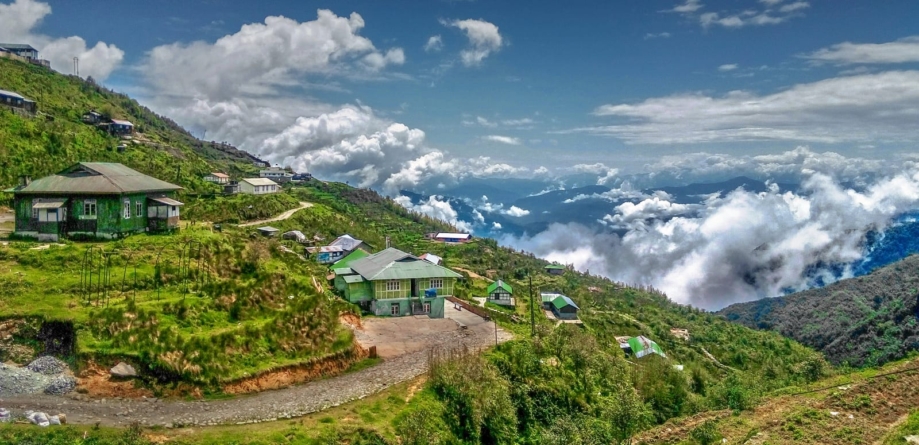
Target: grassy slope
(57,138)
(868,320)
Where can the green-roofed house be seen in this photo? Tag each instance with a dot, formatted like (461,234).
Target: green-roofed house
(555,269)
(642,346)
(396,283)
(563,307)
(501,293)
(94,200)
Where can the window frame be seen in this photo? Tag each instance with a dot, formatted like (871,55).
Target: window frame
(138,209)
(436,283)
(393,286)
(126,208)
(395,309)
(89,208)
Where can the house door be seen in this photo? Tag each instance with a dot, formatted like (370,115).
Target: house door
(414,288)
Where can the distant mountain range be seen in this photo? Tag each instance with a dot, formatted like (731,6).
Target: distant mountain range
(867,320)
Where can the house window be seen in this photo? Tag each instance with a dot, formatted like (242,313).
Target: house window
(89,207)
(138,209)
(427,308)
(127,208)
(394,309)
(34,210)
(437,283)
(393,285)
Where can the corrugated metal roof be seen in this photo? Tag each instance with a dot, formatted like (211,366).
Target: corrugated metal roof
(453,235)
(167,201)
(555,266)
(562,301)
(431,258)
(330,249)
(17,46)
(50,204)
(268,229)
(353,279)
(259,181)
(500,283)
(549,296)
(220,175)
(394,264)
(11,94)
(642,346)
(122,122)
(346,242)
(353,256)
(342,270)
(97,178)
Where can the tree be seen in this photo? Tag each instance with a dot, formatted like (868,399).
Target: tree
(626,413)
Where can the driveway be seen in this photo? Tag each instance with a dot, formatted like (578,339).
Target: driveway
(280,217)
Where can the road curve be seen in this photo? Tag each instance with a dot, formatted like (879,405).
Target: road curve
(280,217)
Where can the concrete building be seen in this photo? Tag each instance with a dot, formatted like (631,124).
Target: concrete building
(258,186)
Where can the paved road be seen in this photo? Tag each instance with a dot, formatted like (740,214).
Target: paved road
(269,405)
(280,217)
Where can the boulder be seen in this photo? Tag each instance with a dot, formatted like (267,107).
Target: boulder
(5,416)
(123,370)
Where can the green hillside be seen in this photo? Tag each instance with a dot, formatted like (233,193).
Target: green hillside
(57,138)
(868,320)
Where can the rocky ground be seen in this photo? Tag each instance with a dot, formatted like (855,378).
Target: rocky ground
(265,406)
(46,375)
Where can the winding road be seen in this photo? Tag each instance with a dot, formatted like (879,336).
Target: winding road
(269,405)
(280,217)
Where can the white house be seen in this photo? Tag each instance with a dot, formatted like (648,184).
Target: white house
(217,178)
(258,186)
(276,174)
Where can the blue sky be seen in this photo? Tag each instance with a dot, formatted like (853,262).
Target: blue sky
(557,86)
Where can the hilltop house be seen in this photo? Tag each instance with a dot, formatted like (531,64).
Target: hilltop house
(258,186)
(563,307)
(120,127)
(641,346)
(94,199)
(501,293)
(16,100)
(218,178)
(20,49)
(396,283)
(555,269)
(92,117)
(276,174)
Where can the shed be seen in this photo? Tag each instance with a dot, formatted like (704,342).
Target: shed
(121,127)
(268,231)
(162,213)
(349,244)
(642,346)
(501,293)
(218,178)
(295,235)
(16,100)
(92,117)
(329,254)
(555,269)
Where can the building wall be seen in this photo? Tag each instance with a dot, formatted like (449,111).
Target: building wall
(245,187)
(384,307)
(109,220)
(359,292)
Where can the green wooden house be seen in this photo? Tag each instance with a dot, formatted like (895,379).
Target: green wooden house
(94,200)
(396,283)
(501,293)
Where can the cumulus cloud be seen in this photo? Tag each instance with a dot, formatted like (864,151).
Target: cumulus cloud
(484,39)
(796,6)
(688,6)
(517,212)
(660,35)
(17,24)
(438,208)
(862,108)
(741,247)
(770,15)
(905,50)
(728,67)
(434,44)
(261,57)
(502,139)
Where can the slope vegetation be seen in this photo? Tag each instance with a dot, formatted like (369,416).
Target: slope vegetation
(868,320)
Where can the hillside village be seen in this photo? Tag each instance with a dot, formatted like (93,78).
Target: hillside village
(141,268)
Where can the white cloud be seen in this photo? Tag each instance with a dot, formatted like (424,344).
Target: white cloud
(17,25)
(436,208)
(261,57)
(905,50)
(770,2)
(660,35)
(518,122)
(688,6)
(517,212)
(728,67)
(484,39)
(434,44)
(864,108)
(502,139)
(796,6)
(741,247)
(485,122)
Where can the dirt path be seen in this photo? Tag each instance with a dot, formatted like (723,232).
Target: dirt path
(266,406)
(280,217)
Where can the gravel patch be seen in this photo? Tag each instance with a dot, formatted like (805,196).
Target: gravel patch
(47,365)
(61,385)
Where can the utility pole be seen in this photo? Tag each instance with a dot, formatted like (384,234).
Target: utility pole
(76,66)
(532,308)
